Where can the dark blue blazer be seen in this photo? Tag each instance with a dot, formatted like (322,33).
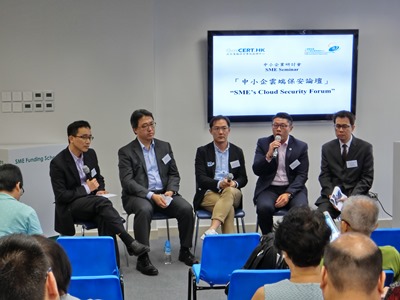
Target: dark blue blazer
(266,171)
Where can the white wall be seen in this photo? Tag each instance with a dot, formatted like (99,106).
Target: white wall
(104,59)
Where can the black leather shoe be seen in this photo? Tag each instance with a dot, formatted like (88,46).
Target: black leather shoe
(145,266)
(137,248)
(187,257)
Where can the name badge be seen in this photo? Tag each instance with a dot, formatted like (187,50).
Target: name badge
(235,164)
(210,163)
(294,164)
(93,173)
(351,164)
(166,159)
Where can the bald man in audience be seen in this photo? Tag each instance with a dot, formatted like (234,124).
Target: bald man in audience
(360,214)
(352,269)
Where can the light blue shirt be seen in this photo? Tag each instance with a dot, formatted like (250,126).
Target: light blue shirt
(153,174)
(17,217)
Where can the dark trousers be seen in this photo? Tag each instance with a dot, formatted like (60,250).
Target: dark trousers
(143,209)
(101,211)
(265,205)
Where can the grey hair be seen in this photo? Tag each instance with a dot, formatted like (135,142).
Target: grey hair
(361,212)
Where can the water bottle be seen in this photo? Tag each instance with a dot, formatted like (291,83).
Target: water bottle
(167,252)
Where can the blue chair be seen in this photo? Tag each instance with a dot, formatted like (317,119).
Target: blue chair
(244,283)
(387,237)
(389,277)
(221,255)
(203,214)
(96,287)
(156,216)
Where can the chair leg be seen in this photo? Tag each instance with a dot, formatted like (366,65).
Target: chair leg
(237,225)
(196,234)
(190,275)
(168,230)
(125,251)
(83,230)
(256,225)
(243,227)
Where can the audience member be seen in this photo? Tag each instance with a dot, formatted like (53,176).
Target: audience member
(352,269)
(150,183)
(59,264)
(220,174)
(360,214)
(281,164)
(78,187)
(301,236)
(346,162)
(25,272)
(15,217)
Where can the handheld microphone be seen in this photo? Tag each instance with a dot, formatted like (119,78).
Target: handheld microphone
(86,170)
(229,177)
(278,138)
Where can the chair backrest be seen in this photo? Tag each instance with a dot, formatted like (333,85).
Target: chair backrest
(96,287)
(244,283)
(224,253)
(387,237)
(389,277)
(90,256)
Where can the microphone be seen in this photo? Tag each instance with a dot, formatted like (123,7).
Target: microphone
(86,170)
(278,138)
(229,177)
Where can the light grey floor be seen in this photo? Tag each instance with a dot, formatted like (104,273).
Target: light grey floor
(169,284)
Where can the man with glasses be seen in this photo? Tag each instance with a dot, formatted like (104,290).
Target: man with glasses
(281,164)
(220,174)
(346,162)
(150,183)
(79,187)
(15,217)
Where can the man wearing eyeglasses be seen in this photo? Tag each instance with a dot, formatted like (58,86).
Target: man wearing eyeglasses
(79,187)
(281,164)
(346,162)
(150,183)
(15,217)
(220,174)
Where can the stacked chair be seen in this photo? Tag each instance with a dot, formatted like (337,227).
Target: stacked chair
(95,274)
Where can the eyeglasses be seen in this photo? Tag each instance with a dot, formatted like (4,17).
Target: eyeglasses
(348,224)
(85,137)
(223,128)
(282,126)
(342,126)
(22,191)
(146,126)
(48,271)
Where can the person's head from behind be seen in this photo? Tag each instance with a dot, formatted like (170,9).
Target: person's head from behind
(344,125)
(25,271)
(302,236)
(143,125)
(58,260)
(360,214)
(352,268)
(11,180)
(79,136)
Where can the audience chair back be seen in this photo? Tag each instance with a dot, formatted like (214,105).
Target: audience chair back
(387,237)
(244,283)
(90,256)
(96,287)
(221,255)
(202,214)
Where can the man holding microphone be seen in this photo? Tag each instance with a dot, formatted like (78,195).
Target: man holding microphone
(281,164)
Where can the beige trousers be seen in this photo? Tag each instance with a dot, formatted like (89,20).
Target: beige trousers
(222,205)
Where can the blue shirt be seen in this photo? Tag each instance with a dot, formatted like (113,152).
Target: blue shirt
(153,174)
(17,217)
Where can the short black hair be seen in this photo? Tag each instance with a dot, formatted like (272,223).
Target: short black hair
(303,235)
(345,114)
(59,262)
(137,115)
(283,115)
(10,175)
(219,117)
(73,128)
(23,268)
